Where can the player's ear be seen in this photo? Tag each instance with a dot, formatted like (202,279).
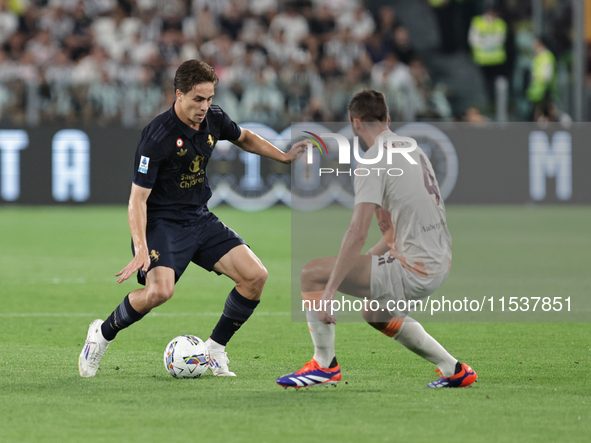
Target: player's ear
(178,94)
(356,124)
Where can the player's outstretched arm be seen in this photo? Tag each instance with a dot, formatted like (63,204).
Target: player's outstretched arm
(137,218)
(251,142)
(351,246)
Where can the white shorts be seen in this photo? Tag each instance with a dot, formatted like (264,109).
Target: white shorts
(393,285)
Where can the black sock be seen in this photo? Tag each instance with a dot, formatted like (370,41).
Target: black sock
(120,318)
(236,311)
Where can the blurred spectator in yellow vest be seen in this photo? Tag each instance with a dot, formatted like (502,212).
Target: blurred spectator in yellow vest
(542,86)
(487,37)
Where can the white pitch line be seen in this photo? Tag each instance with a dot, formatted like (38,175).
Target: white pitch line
(210,314)
(153,314)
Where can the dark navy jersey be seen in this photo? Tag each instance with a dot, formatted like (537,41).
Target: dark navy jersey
(171,159)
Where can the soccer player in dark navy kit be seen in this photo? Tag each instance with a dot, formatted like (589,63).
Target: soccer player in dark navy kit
(170,223)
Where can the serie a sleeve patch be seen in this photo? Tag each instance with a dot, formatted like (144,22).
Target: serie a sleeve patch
(144,162)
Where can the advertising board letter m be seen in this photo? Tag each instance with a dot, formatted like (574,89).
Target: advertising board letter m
(553,161)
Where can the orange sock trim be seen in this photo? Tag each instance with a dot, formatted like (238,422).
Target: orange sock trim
(393,327)
(312,296)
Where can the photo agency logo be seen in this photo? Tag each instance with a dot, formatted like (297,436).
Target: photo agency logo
(379,164)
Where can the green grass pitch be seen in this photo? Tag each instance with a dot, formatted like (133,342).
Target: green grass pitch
(57,269)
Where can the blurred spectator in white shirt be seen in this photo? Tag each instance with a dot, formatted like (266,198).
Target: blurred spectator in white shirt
(300,83)
(280,49)
(95,8)
(391,72)
(431,102)
(59,70)
(42,47)
(220,53)
(8,22)
(57,21)
(88,68)
(345,49)
(293,24)
(104,99)
(338,7)
(243,72)
(58,76)
(262,7)
(115,32)
(140,51)
(359,22)
(263,102)
(146,96)
(125,72)
(150,25)
(201,26)
(329,69)
(215,7)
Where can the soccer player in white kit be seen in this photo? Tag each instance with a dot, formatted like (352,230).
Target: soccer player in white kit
(411,260)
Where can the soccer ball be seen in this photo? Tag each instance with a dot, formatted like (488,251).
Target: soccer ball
(186,356)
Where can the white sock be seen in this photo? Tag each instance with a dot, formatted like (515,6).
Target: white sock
(214,345)
(323,338)
(414,338)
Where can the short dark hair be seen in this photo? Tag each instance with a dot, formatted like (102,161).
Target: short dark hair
(193,72)
(369,106)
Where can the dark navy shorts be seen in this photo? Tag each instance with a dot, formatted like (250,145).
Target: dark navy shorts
(174,244)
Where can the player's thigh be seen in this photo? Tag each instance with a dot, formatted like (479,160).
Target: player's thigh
(241,264)
(217,244)
(170,244)
(316,274)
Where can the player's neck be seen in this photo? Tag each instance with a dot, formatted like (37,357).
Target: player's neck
(372,134)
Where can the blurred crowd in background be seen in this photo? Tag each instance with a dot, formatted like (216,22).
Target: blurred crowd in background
(113,61)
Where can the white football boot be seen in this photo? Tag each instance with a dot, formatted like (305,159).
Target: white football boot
(94,348)
(218,360)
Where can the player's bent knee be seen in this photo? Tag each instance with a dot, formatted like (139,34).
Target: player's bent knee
(314,271)
(254,280)
(259,277)
(159,294)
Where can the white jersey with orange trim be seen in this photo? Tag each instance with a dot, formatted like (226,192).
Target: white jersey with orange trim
(410,213)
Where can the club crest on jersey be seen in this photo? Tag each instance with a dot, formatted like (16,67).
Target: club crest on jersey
(210,141)
(154,255)
(144,162)
(179,142)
